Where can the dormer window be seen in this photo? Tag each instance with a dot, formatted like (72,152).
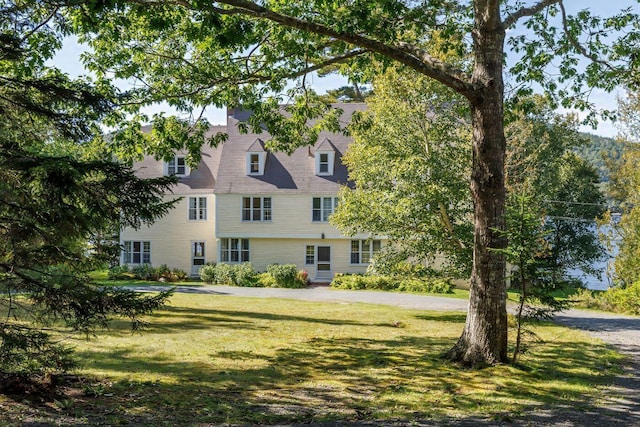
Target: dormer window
(325,155)
(256,156)
(177,166)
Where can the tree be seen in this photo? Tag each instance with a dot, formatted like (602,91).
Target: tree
(624,189)
(411,174)
(238,52)
(541,162)
(52,201)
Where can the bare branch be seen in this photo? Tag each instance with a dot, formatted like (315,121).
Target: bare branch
(528,11)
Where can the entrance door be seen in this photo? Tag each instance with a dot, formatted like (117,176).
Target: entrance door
(323,265)
(197,257)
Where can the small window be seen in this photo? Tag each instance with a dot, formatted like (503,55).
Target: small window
(362,251)
(323,208)
(177,166)
(256,208)
(255,163)
(234,250)
(136,252)
(324,163)
(197,208)
(310,255)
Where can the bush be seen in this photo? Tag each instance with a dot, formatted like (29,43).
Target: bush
(146,272)
(230,274)
(265,280)
(385,283)
(208,273)
(284,275)
(625,300)
(427,285)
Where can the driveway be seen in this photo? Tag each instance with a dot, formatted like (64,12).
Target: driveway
(621,401)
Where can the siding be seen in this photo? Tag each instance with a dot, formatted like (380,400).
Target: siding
(292,251)
(291,218)
(171,236)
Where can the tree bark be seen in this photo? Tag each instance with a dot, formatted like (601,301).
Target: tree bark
(484,338)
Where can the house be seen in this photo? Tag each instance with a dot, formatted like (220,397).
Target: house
(243,203)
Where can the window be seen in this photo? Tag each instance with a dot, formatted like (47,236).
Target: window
(255,163)
(177,166)
(310,255)
(323,207)
(324,163)
(197,208)
(256,208)
(363,250)
(234,250)
(136,252)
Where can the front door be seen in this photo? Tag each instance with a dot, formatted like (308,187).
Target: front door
(197,257)
(323,265)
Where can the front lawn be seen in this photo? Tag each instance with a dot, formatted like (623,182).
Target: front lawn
(209,359)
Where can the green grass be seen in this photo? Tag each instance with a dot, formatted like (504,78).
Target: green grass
(220,359)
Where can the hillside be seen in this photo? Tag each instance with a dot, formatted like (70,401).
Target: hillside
(598,149)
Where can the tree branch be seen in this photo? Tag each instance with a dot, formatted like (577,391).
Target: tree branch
(407,55)
(576,45)
(528,11)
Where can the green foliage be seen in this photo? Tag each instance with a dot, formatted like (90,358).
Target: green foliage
(541,162)
(230,274)
(386,283)
(285,275)
(600,152)
(617,299)
(146,272)
(527,253)
(410,175)
(59,190)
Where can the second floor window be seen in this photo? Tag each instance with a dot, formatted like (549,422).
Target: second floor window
(323,207)
(323,166)
(177,166)
(256,208)
(197,208)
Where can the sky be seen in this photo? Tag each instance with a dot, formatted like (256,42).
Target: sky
(68,60)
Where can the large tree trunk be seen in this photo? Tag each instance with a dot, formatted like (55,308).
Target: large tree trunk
(484,339)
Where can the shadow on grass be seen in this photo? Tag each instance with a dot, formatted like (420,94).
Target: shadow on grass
(349,379)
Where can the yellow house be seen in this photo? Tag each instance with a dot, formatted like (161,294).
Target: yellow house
(245,204)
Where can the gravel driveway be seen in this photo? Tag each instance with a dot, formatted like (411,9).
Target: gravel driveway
(622,400)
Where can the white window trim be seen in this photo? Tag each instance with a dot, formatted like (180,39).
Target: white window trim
(228,250)
(334,205)
(261,162)
(262,209)
(187,170)
(360,250)
(129,244)
(198,208)
(330,163)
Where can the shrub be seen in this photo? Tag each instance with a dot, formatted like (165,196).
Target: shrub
(284,275)
(245,275)
(625,300)
(265,280)
(385,283)
(208,273)
(120,272)
(230,274)
(146,272)
(427,285)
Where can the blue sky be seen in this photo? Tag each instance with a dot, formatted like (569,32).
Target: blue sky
(68,59)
